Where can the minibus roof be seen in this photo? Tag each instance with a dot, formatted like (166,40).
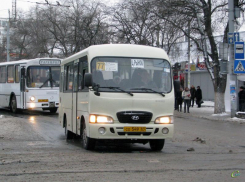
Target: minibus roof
(118,50)
(26,61)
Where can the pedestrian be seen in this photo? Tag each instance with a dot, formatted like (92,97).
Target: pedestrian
(186,95)
(198,96)
(179,99)
(241,96)
(193,91)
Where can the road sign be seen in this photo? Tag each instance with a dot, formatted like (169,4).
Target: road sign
(239,50)
(236,37)
(230,38)
(233,37)
(239,66)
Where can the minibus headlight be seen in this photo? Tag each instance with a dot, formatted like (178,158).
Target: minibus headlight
(100,119)
(32,98)
(164,120)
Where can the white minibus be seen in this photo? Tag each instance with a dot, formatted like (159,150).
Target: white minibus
(30,84)
(117,92)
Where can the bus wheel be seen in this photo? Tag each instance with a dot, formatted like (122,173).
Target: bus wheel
(157,145)
(68,133)
(87,143)
(53,110)
(13,104)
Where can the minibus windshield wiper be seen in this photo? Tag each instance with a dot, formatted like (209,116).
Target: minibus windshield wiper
(148,89)
(49,79)
(118,88)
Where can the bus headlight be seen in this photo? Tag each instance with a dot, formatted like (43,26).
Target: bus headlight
(100,119)
(32,98)
(32,105)
(164,120)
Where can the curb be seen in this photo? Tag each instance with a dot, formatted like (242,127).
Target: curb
(211,118)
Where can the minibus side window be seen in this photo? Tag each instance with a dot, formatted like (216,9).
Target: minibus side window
(17,74)
(10,74)
(75,78)
(61,81)
(64,77)
(3,74)
(83,68)
(69,78)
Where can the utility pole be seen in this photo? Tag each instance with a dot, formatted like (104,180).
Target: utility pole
(233,77)
(8,38)
(189,56)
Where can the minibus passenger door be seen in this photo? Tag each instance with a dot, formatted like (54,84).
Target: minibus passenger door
(22,86)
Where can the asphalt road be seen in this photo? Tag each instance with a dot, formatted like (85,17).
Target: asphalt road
(33,148)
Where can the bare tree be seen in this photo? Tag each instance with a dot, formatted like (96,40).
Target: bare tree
(202,16)
(48,30)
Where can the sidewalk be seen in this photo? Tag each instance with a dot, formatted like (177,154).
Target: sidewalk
(207,112)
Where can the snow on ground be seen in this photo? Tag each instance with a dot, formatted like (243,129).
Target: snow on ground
(207,111)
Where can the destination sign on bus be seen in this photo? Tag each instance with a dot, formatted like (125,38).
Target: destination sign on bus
(48,61)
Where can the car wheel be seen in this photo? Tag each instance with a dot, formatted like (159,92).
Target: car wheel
(87,143)
(68,133)
(157,145)
(13,104)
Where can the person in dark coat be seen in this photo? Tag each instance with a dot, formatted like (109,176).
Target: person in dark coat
(179,99)
(241,96)
(198,96)
(193,91)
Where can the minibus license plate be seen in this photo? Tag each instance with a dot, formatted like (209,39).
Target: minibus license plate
(51,104)
(42,100)
(134,129)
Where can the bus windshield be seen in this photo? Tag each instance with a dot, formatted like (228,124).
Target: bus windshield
(132,74)
(43,76)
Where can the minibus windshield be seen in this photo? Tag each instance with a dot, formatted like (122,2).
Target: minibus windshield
(43,76)
(132,74)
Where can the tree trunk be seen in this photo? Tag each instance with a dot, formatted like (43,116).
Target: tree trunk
(219,100)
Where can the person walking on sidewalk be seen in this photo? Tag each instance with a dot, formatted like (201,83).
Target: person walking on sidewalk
(179,99)
(186,95)
(198,96)
(193,91)
(241,96)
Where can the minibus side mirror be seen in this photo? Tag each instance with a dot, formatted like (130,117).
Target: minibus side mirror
(88,80)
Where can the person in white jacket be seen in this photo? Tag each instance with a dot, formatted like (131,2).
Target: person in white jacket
(186,95)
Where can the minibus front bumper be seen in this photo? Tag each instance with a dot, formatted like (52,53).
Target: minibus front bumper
(33,105)
(117,131)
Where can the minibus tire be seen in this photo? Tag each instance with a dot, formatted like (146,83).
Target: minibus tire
(87,143)
(13,104)
(68,133)
(157,145)
(53,110)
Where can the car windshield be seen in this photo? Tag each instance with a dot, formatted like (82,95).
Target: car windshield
(131,74)
(43,76)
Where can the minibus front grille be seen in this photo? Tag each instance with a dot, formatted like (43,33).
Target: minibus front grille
(137,117)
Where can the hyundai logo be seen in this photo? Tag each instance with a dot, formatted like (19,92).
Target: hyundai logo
(135,117)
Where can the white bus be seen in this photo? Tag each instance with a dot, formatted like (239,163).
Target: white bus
(30,84)
(117,92)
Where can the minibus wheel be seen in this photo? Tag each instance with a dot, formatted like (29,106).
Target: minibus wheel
(13,104)
(68,133)
(157,145)
(87,143)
